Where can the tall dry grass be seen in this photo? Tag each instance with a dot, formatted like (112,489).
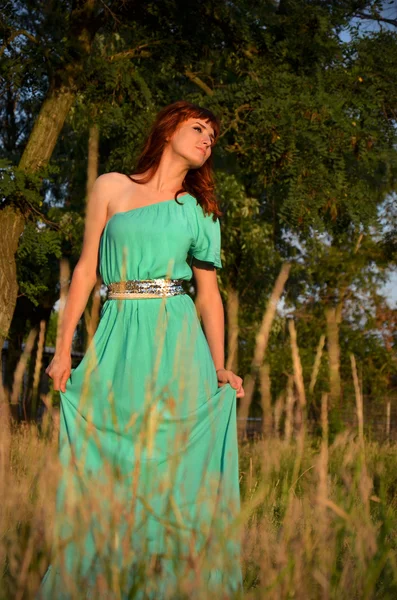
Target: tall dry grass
(319,519)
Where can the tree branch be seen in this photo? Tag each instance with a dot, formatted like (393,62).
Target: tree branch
(132,51)
(199,82)
(14,35)
(378,18)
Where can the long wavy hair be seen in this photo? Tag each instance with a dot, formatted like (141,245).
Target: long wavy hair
(198,182)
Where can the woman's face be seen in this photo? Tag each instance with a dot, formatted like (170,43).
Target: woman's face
(193,140)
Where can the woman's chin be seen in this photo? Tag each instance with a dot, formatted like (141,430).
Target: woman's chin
(196,164)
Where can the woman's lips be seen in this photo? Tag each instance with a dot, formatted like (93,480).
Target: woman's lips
(201,150)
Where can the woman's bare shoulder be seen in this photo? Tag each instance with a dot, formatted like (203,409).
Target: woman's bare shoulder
(112,178)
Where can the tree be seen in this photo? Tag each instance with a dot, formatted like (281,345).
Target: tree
(102,48)
(305,161)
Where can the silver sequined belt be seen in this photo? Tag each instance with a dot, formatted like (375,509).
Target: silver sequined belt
(145,288)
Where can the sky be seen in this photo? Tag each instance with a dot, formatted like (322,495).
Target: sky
(389,11)
(390,291)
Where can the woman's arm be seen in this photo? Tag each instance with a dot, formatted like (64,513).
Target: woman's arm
(210,308)
(85,271)
(83,279)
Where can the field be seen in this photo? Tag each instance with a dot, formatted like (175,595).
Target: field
(318,515)
(319,520)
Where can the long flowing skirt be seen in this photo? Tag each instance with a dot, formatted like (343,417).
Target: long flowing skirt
(148,498)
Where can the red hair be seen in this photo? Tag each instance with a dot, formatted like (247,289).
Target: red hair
(198,182)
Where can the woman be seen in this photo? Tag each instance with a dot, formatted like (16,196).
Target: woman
(149,492)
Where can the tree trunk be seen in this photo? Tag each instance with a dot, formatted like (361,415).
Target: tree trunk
(47,128)
(12,222)
(11,226)
(41,315)
(232,308)
(333,322)
(38,151)
(93,157)
(92,316)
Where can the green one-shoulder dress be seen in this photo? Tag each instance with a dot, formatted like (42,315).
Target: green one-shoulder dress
(148,499)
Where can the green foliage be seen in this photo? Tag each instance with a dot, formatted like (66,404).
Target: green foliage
(36,253)
(51,334)
(21,188)
(306,162)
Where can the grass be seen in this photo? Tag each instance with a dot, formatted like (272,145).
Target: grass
(300,540)
(330,533)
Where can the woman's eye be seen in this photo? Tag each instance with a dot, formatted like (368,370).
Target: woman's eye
(198,128)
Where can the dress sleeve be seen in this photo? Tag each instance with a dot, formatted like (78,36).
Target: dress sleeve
(206,245)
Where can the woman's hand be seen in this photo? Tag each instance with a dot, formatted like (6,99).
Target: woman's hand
(59,370)
(225,376)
